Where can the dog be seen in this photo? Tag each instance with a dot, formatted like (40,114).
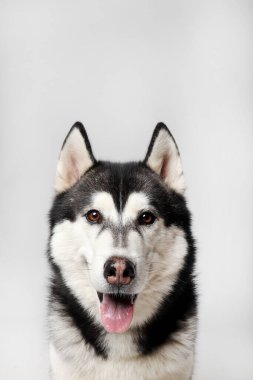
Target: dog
(123,300)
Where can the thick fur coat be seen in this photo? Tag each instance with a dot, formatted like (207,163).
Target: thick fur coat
(138,322)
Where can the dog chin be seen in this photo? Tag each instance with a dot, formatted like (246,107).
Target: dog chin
(116,311)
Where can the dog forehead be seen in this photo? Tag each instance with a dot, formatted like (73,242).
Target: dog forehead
(104,202)
(136,202)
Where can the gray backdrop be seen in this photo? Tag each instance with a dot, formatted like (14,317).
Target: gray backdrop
(120,67)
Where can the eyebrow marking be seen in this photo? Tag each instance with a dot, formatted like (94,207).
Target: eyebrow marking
(103,202)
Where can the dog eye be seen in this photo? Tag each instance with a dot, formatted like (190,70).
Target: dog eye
(93,216)
(146,218)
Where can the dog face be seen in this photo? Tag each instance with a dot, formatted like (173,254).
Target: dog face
(118,230)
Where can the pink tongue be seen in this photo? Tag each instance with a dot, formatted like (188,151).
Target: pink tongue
(116,317)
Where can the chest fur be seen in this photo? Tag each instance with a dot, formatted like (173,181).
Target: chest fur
(72,359)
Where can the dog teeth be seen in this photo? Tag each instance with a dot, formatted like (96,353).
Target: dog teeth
(132,299)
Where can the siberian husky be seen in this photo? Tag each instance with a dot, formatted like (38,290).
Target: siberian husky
(122,302)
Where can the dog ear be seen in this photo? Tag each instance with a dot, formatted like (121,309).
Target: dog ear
(75,159)
(163,158)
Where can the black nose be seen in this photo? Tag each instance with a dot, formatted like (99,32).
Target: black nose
(119,271)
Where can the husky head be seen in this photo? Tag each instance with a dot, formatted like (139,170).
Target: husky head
(119,231)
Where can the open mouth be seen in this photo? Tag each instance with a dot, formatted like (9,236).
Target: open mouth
(117,311)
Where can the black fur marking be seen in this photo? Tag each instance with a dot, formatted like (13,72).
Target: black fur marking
(101,230)
(139,231)
(91,332)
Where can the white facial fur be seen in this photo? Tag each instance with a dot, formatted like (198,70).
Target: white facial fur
(81,250)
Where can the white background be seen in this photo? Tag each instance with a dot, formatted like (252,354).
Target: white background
(120,67)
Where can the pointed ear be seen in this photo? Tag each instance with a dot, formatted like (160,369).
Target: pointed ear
(164,159)
(75,159)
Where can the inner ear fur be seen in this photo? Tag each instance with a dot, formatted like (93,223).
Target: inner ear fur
(164,159)
(75,159)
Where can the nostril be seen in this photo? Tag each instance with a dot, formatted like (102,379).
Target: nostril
(111,272)
(129,271)
(109,269)
(126,273)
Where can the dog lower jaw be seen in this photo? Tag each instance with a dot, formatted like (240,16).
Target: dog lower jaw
(116,311)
